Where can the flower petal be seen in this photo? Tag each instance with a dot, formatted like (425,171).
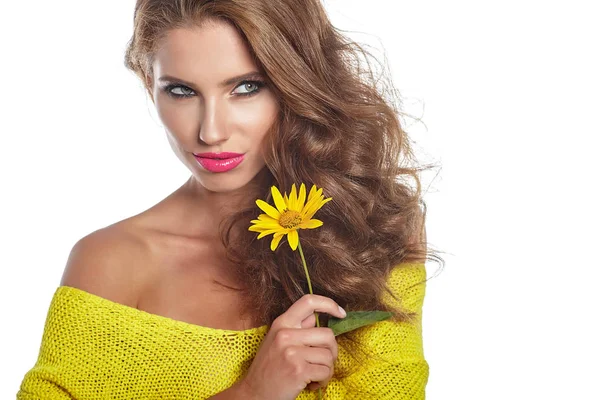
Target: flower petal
(281,206)
(301,197)
(268,225)
(269,209)
(267,232)
(293,200)
(313,223)
(266,218)
(257,228)
(293,239)
(276,239)
(313,190)
(314,194)
(321,203)
(311,207)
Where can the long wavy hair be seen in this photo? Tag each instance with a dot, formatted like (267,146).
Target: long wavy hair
(338,128)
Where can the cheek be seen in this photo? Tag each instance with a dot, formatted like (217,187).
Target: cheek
(255,118)
(177,119)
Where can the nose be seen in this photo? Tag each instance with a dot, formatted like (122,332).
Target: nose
(213,129)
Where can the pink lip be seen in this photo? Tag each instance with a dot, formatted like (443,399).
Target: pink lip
(225,154)
(219,165)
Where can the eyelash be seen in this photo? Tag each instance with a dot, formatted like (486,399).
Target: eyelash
(259,85)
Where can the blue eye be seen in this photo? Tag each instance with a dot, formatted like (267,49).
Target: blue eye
(185,89)
(256,84)
(251,87)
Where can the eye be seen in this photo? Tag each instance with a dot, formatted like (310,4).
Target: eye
(251,88)
(178,91)
(184,89)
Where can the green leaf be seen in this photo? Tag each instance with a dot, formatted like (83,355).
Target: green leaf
(355,320)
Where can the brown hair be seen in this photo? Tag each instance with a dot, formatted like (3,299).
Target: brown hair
(336,129)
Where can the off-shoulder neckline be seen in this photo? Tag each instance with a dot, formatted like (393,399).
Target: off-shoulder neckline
(171,322)
(163,320)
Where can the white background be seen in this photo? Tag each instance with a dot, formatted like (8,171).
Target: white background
(509,92)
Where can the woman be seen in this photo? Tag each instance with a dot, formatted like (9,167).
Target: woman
(182,301)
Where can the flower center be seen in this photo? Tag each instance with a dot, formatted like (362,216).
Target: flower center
(290,219)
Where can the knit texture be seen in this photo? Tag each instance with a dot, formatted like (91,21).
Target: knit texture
(93,348)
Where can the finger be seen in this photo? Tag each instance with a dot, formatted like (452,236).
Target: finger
(309,322)
(319,375)
(315,337)
(320,356)
(317,385)
(307,305)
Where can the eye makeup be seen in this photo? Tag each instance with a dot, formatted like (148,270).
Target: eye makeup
(186,90)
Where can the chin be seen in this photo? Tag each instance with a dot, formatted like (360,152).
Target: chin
(219,183)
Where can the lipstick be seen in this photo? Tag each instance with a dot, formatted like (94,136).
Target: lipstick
(219,162)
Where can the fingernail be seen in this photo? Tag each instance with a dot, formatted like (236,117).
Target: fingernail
(342,310)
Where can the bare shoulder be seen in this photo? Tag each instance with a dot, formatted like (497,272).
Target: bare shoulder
(107,263)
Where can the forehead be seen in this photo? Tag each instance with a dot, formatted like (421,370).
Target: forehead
(212,52)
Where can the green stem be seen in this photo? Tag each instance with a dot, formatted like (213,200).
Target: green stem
(309,286)
(307,276)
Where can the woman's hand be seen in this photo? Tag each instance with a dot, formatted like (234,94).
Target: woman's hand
(294,352)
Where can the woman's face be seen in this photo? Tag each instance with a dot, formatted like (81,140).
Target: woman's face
(210,97)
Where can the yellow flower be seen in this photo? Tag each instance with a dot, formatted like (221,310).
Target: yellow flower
(289,216)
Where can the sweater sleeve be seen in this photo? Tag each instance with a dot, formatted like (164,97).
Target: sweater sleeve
(40,385)
(406,372)
(43,381)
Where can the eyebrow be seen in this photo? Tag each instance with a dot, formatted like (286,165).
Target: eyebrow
(227,82)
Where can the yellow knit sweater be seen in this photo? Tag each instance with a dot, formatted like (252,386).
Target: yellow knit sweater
(93,348)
